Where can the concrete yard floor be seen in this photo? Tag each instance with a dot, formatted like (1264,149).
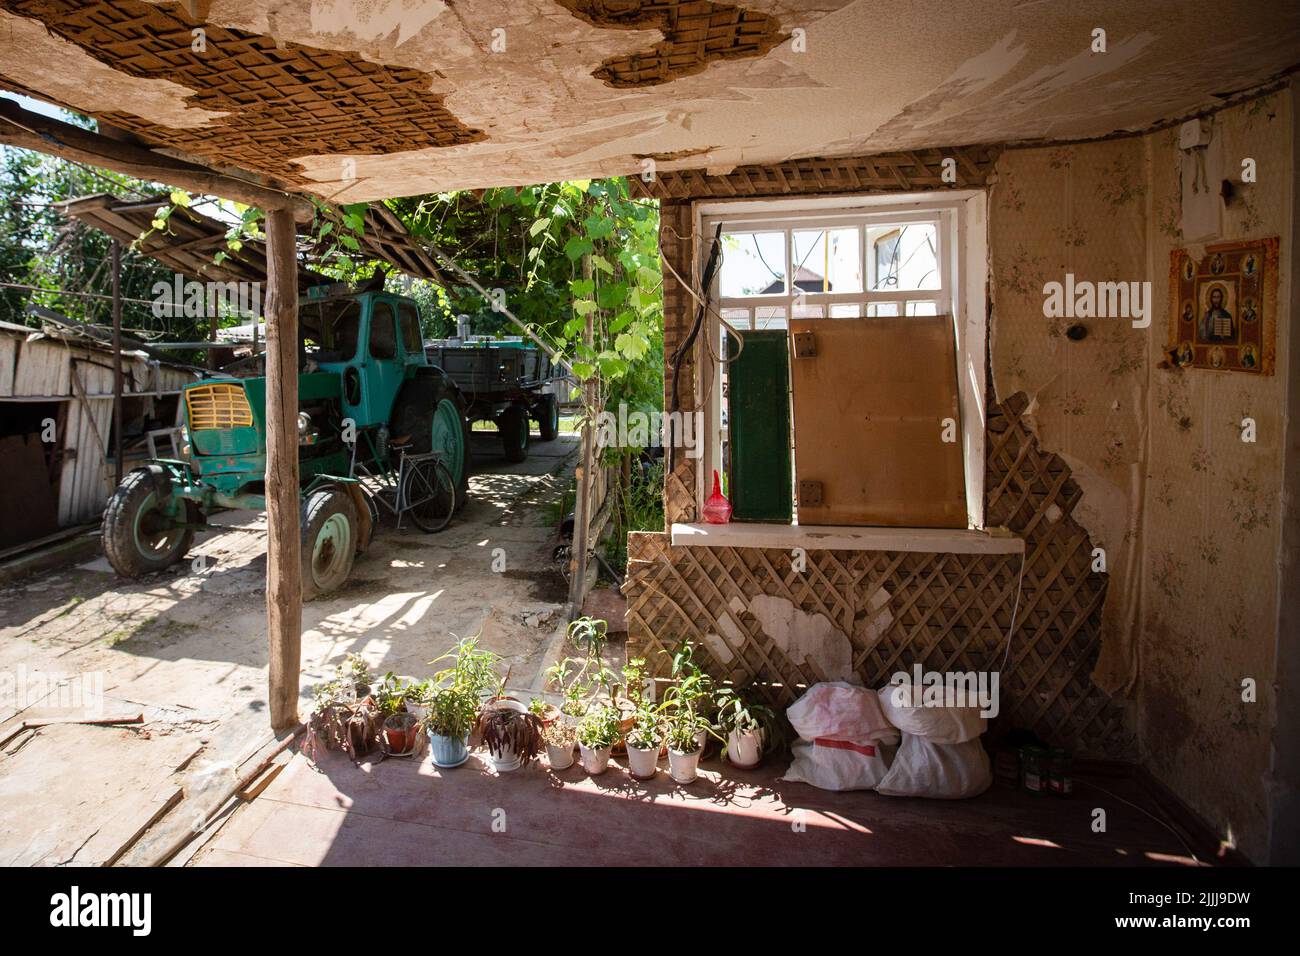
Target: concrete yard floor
(186,648)
(400,812)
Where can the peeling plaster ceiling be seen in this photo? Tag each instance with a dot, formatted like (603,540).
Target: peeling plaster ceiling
(479,92)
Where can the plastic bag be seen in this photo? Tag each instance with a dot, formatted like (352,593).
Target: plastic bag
(922,768)
(843,711)
(938,725)
(837,764)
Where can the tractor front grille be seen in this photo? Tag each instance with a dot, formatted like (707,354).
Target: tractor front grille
(218,406)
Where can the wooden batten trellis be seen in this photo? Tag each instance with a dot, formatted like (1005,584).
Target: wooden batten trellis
(943,611)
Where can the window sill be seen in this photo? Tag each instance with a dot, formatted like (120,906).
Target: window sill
(842,538)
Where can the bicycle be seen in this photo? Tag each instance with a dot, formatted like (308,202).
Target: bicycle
(423,488)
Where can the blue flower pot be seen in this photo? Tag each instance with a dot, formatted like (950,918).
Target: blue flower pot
(448,752)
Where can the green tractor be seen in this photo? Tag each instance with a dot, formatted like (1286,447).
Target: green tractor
(369,404)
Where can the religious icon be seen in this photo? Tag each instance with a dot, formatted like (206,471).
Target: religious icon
(1216,357)
(1184,356)
(1248,358)
(1250,266)
(1216,264)
(1248,313)
(1188,313)
(1216,323)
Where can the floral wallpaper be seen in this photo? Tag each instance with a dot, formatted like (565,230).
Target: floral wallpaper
(1188,514)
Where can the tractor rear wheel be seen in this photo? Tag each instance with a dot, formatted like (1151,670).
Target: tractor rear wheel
(329,541)
(548,417)
(430,415)
(513,425)
(138,535)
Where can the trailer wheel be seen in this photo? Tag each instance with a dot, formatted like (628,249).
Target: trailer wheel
(329,541)
(513,425)
(548,417)
(138,535)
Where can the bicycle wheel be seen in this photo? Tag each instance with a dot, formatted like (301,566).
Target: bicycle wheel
(428,495)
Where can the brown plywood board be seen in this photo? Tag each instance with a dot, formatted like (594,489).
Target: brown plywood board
(869,413)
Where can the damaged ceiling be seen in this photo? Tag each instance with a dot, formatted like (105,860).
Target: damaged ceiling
(366,99)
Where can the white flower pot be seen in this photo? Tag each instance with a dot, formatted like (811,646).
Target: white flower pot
(561,758)
(745,748)
(642,763)
(595,761)
(683,768)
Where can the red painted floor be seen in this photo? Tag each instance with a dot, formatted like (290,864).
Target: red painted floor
(406,812)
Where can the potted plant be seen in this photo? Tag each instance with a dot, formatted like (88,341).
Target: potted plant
(685,745)
(544,711)
(597,734)
(749,728)
(454,703)
(691,690)
(355,671)
(643,742)
(560,737)
(511,733)
(401,729)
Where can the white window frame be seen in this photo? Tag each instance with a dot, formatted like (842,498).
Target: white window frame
(962,221)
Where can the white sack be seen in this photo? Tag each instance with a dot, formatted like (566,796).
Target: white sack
(837,764)
(843,711)
(922,768)
(939,725)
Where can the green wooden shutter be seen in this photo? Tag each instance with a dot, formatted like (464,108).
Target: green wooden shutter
(759,427)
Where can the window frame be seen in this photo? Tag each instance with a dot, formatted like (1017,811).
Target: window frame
(961,232)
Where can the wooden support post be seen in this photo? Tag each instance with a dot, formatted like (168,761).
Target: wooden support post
(115,254)
(284,548)
(586,468)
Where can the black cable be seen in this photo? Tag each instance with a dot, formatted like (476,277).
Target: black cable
(710,269)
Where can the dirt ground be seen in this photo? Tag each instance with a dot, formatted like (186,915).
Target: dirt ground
(186,649)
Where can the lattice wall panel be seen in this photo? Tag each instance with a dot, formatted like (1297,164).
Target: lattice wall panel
(905,171)
(944,611)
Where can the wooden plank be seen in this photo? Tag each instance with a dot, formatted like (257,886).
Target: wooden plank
(870,408)
(758,408)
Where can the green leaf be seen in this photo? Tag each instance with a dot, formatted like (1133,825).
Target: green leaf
(350,242)
(631,345)
(584,306)
(601,263)
(538,226)
(179,197)
(583,369)
(620,322)
(582,288)
(577,247)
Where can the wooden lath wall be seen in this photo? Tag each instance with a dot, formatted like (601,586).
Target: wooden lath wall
(896,609)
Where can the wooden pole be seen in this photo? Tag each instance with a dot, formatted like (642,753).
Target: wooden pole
(586,465)
(115,255)
(284,548)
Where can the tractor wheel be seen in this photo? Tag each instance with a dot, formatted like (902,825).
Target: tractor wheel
(329,541)
(138,536)
(430,415)
(548,417)
(513,425)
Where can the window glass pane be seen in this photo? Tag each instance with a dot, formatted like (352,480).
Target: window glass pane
(770,317)
(383,335)
(753,263)
(827,260)
(805,311)
(330,329)
(882,308)
(904,258)
(846,310)
(922,308)
(412,340)
(737,317)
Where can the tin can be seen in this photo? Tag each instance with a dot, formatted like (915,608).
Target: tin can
(1060,775)
(1033,769)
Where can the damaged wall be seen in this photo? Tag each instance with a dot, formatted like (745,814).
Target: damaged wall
(1189,515)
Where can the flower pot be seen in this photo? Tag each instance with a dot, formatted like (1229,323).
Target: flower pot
(595,761)
(642,763)
(401,733)
(683,768)
(508,759)
(448,752)
(560,758)
(549,715)
(745,748)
